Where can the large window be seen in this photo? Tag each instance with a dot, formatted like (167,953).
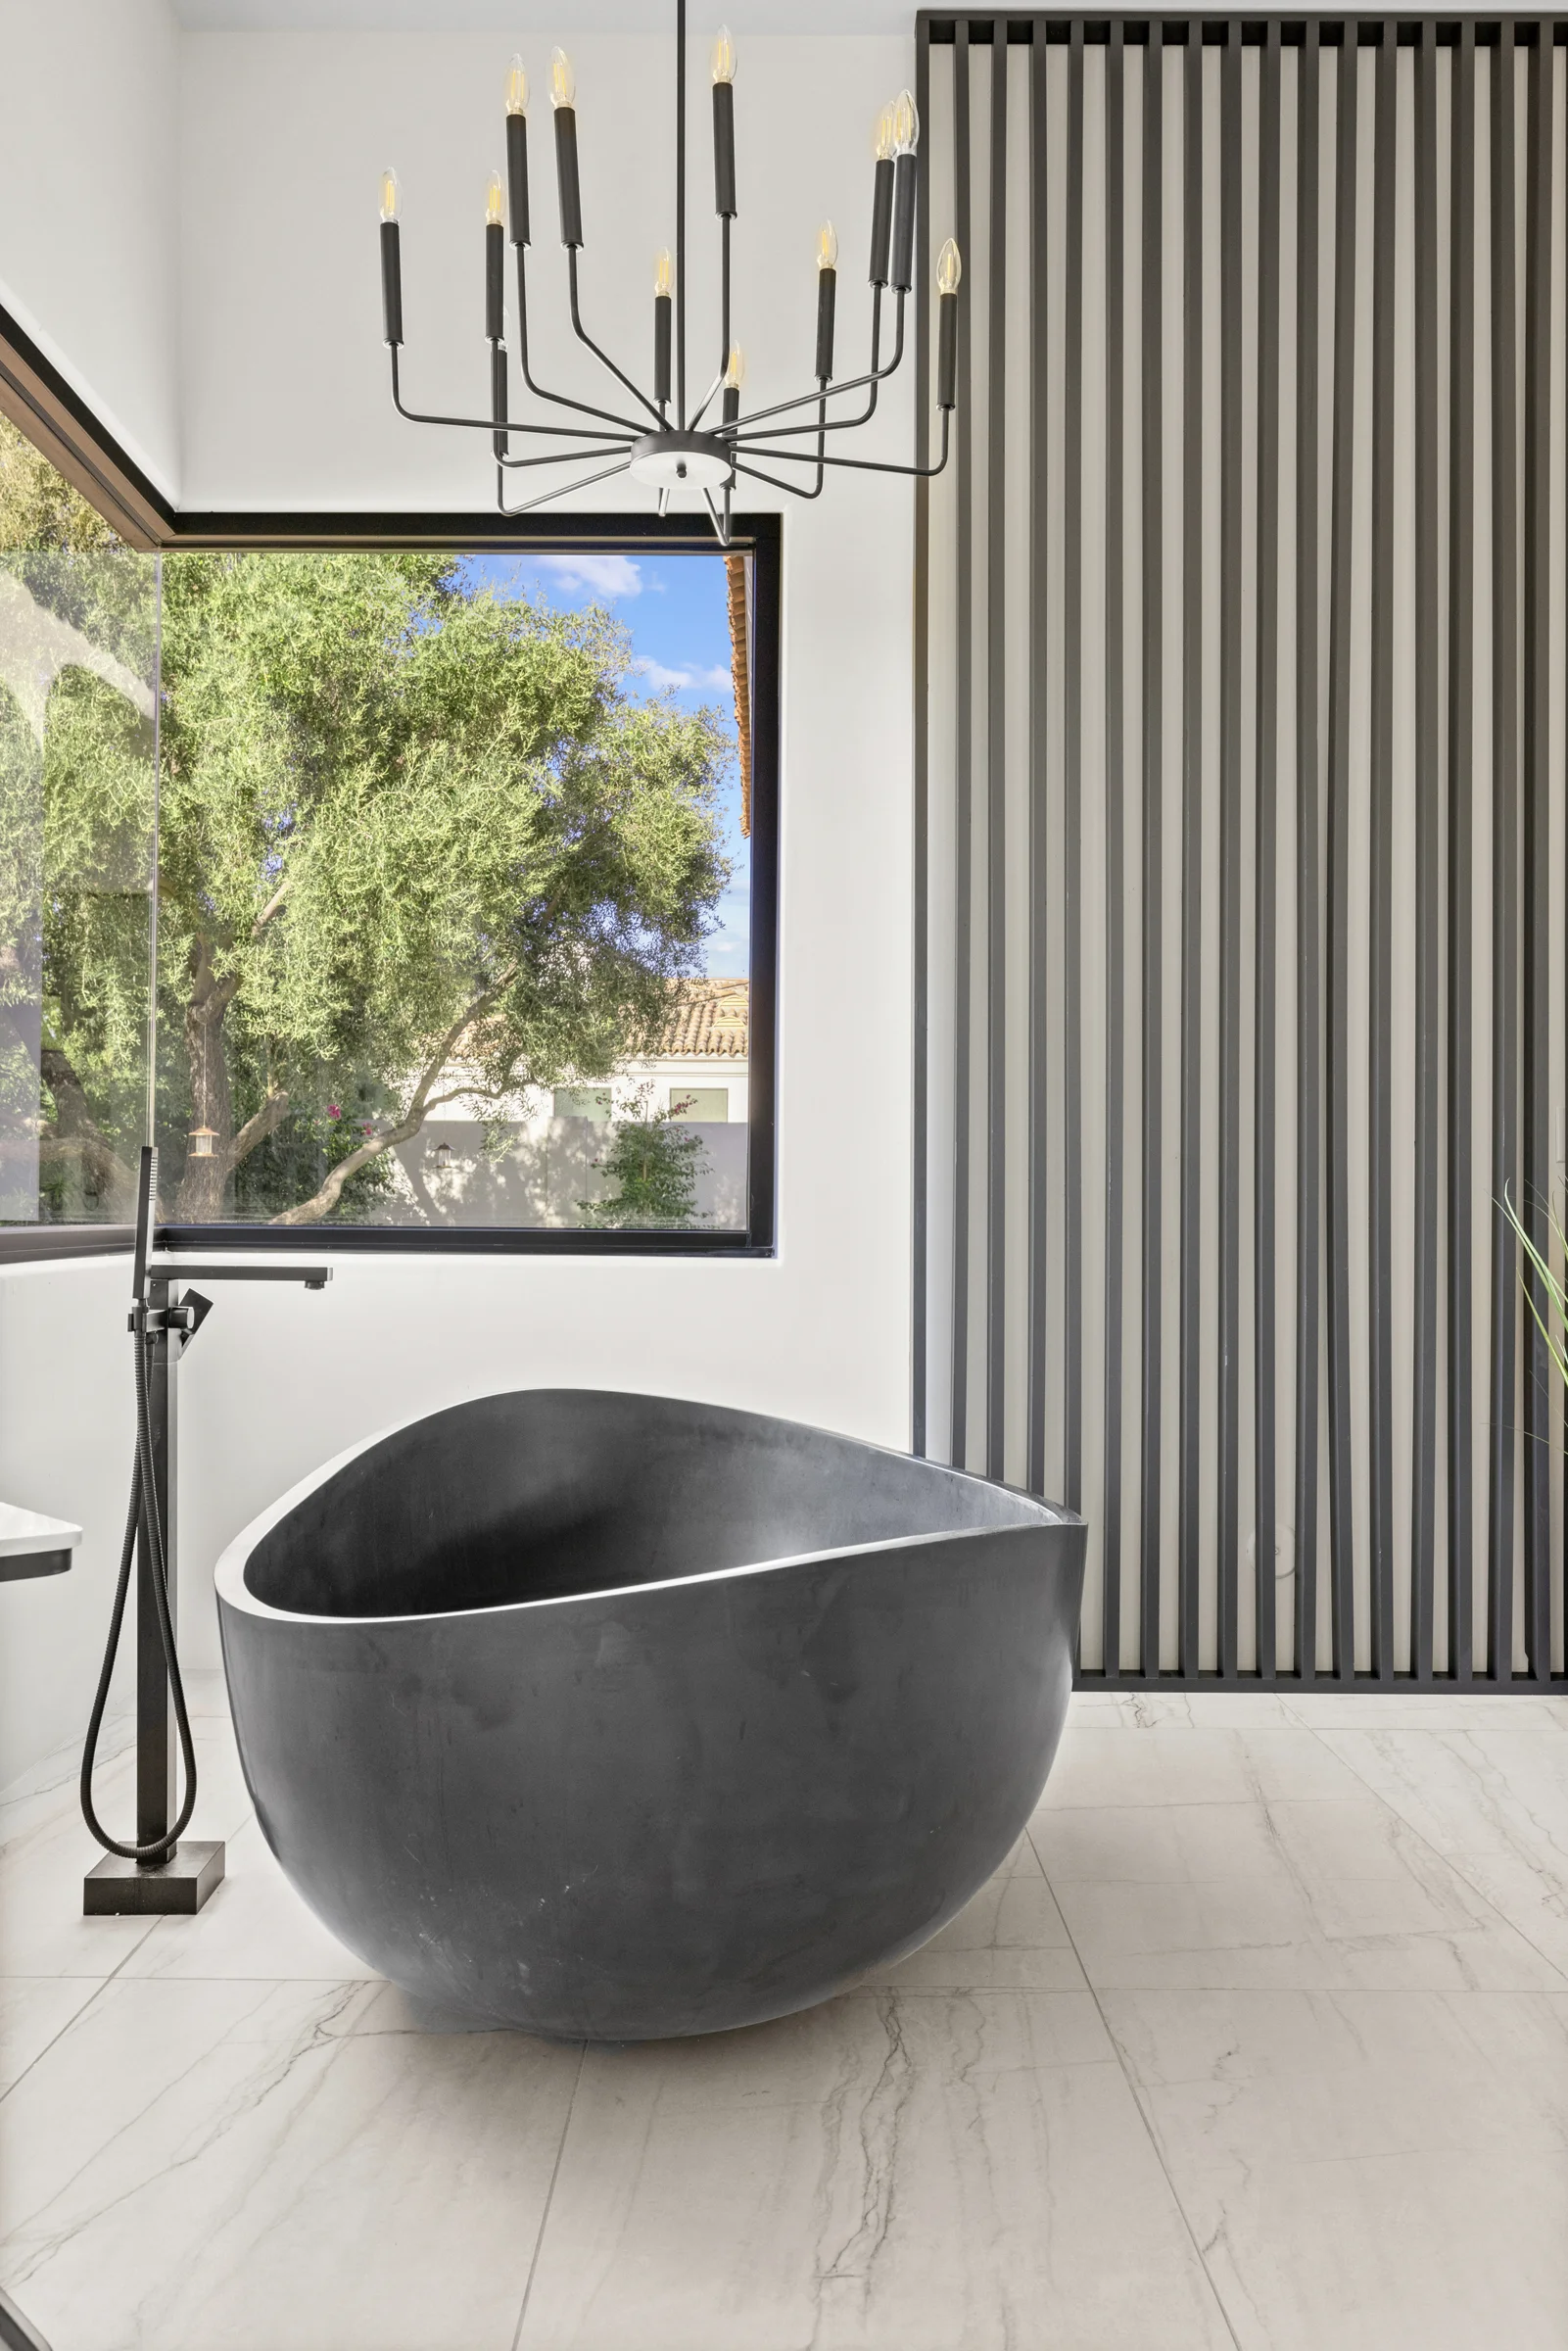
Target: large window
(455,932)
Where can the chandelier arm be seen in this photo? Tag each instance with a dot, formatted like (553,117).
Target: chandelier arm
(626,424)
(567,457)
(755,473)
(561,489)
(603,357)
(721,523)
(816,491)
(723,313)
(923,473)
(487,424)
(708,398)
(806,400)
(835,424)
(680,216)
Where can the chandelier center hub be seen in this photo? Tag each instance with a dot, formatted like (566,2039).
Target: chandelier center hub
(667,460)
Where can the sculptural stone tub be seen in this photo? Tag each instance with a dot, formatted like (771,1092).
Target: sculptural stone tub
(616,1717)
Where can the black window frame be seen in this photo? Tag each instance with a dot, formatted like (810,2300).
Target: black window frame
(39,401)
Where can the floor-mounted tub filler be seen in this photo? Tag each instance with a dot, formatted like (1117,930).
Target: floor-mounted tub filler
(616,1717)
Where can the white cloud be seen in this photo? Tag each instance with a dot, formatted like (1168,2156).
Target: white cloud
(685,681)
(607,576)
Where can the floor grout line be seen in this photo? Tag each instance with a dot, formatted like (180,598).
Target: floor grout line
(1444,1858)
(550,2198)
(1138,2105)
(104,1982)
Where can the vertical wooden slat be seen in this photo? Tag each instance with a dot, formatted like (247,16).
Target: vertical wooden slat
(1505,859)
(1354,495)
(1230,686)
(1189,1349)
(1114,827)
(1380,1025)
(1538,910)
(997,476)
(1342,558)
(1462,788)
(963,775)
(1265,985)
(1309,913)
(920,1206)
(1428,834)
(1071,792)
(1152,1069)
(1040,357)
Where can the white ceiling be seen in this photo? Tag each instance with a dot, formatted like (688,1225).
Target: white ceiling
(546,17)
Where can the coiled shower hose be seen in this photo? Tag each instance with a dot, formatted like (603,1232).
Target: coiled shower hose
(144,1516)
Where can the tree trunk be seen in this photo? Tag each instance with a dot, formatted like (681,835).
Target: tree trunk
(199,1199)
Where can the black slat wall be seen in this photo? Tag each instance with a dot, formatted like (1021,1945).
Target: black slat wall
(1241,831)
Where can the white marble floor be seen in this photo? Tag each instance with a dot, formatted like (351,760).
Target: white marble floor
(1260,2040)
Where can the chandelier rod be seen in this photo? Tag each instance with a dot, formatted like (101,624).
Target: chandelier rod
(628,424)
(487,424)
(809,400)
(603,357)
(561,489)
(741,435)
(680,215)
(923,473)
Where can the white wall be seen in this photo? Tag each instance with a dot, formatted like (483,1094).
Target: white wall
(88,193)
(282,393)
(66,1432)
(285,401)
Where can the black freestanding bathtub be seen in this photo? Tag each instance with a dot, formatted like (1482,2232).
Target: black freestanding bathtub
(618,1717)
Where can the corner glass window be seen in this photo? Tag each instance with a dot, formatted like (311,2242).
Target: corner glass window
(78,634)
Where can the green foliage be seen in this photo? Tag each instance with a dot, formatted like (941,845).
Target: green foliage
(415,842)
(653,1162)
(1547,1294)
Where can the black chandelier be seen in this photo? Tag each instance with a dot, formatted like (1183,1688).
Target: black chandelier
(670,448)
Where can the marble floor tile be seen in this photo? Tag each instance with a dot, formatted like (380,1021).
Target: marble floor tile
(1154,1709)
(254,1925)
(48,1790)
(1366,2171)
(1435,1711)
(893,2172)
(1171,1763)
(1010,1936)
(1310,1895)
(237,2166)
(42,1864)
(1492,1803)
(33,2010)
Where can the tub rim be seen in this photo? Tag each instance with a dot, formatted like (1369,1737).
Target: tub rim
(229,1575)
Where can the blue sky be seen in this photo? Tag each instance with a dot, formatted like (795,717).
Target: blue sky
(674,610)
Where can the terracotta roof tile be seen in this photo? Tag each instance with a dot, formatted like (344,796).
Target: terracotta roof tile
(708,1019)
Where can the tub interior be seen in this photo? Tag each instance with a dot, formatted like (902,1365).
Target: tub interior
(550,1493)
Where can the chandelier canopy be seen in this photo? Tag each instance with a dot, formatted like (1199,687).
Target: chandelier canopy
(670,443)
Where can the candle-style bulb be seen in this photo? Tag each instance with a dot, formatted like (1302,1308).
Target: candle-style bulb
(882,145)
(720,59)
(389,195)
(827,246)
(516,88)
(906,123)
(730,400)
(663,275)
(562,80)
(494,201)
(949,269)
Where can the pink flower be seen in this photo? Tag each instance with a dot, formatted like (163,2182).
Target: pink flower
(333,1112)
